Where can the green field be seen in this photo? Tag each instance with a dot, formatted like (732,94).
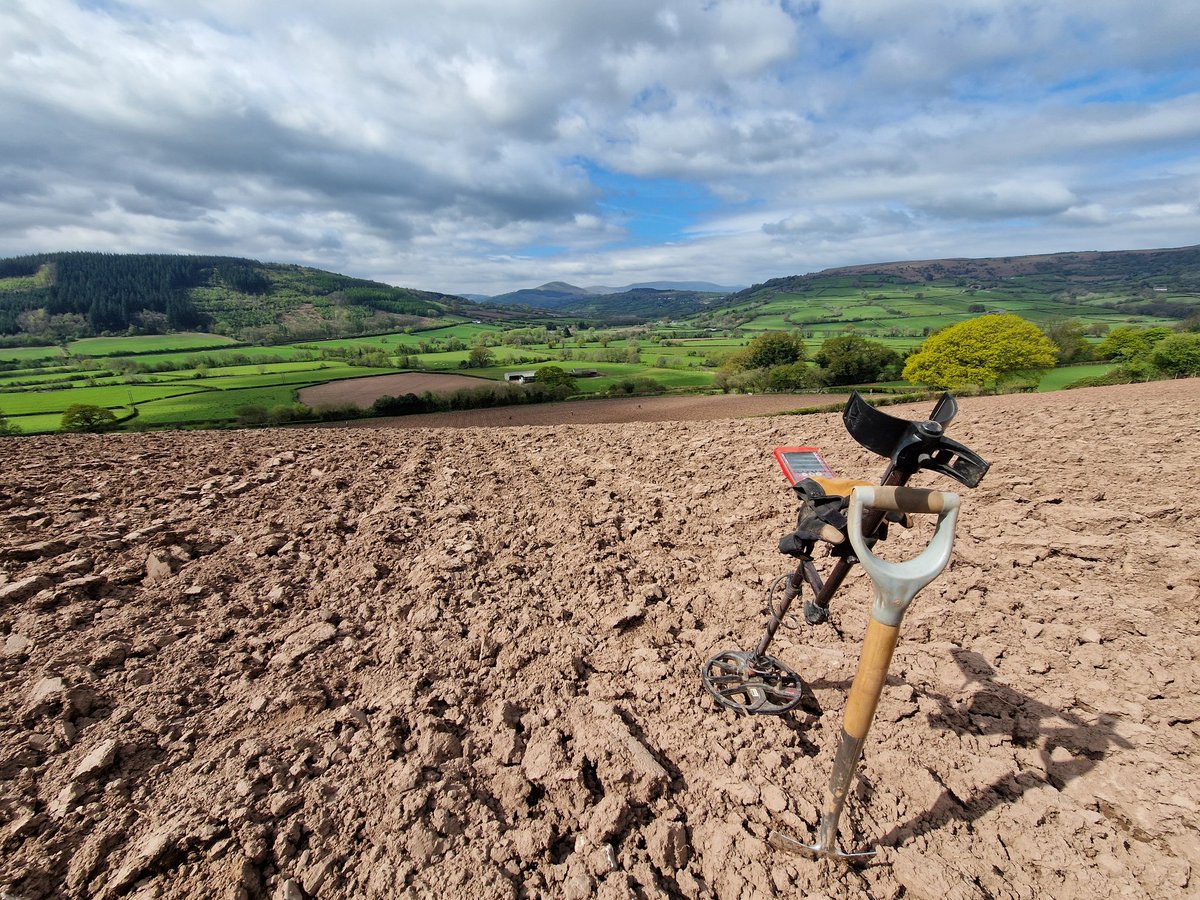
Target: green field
(1057,379)
(110,397)
(148,343)
(177,397)
(23,354)
(902,314)
(403,341)
(202,379)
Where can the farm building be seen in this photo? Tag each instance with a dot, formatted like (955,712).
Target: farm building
(520,377)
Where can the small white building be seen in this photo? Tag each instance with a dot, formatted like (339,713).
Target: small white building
(520,377)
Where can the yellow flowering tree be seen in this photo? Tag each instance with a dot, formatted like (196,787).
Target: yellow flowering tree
(982,352)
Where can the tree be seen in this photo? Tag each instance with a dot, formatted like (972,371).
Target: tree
(1069,342)
(1178,355)
(790,377)
(480,358)
(769,349)
(851,359)
(251,414)
(556,377)
(1126,343)
(7,428)
(81,417)
(982,352)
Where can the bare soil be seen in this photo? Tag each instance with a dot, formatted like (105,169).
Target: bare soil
(365,391)
(675,408)
(431,662)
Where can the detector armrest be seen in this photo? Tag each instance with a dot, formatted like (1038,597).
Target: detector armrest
(915,445)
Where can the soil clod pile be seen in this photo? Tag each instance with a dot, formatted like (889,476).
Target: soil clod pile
(378,663)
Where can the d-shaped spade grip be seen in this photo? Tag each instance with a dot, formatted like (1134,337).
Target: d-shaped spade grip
(895,586)
(897,583)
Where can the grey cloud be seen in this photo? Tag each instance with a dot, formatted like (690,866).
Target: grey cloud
(443,139)
(1010,199)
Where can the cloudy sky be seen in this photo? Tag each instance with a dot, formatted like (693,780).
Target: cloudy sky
(484,145)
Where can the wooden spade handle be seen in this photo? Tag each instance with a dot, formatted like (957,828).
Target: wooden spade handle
(877,649)
(908,500)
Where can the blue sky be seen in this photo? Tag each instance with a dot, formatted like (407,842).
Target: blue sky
(479,146)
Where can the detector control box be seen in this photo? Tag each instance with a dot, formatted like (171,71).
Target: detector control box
(799,463)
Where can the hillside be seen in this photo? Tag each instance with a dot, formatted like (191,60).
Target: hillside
(549,296)
(58,296)
(1175,268)
(364,663)
(916,297)
(641,305)
(634,304)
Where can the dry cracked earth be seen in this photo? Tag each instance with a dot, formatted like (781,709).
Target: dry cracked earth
(465,662)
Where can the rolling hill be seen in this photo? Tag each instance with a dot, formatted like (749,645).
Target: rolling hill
(622,305)
(914,297)
(58,296)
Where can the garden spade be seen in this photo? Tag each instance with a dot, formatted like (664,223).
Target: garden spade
(895,585)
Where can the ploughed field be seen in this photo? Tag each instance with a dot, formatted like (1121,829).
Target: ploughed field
(465,662)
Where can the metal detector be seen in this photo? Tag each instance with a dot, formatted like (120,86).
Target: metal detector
(753,682)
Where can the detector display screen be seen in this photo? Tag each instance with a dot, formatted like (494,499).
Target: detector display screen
(799,463)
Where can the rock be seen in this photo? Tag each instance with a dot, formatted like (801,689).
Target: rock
(100,758)
(303,642)
(317,874)
(602,860)
(667,844)
(620,757)
(24,589)
(145,853)
(86,584)
(163,564)
(65,801)
(110,655)
(17,645)
(36,550)
(48,689)
(577,887)
(270,545)
(631,613)
(608,819)
(282,804)
(289,889)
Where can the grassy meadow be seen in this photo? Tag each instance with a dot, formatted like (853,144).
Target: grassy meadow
(196,379)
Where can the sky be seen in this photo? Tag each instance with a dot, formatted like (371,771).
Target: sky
(480,146)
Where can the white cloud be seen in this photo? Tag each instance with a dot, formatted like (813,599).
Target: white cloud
(448,145)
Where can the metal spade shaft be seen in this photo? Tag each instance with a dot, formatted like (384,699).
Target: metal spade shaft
(895,586)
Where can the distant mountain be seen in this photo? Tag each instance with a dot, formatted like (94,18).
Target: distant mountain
(634,303)
(1174,267)
(641,305)
(706,287)
(549,296)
